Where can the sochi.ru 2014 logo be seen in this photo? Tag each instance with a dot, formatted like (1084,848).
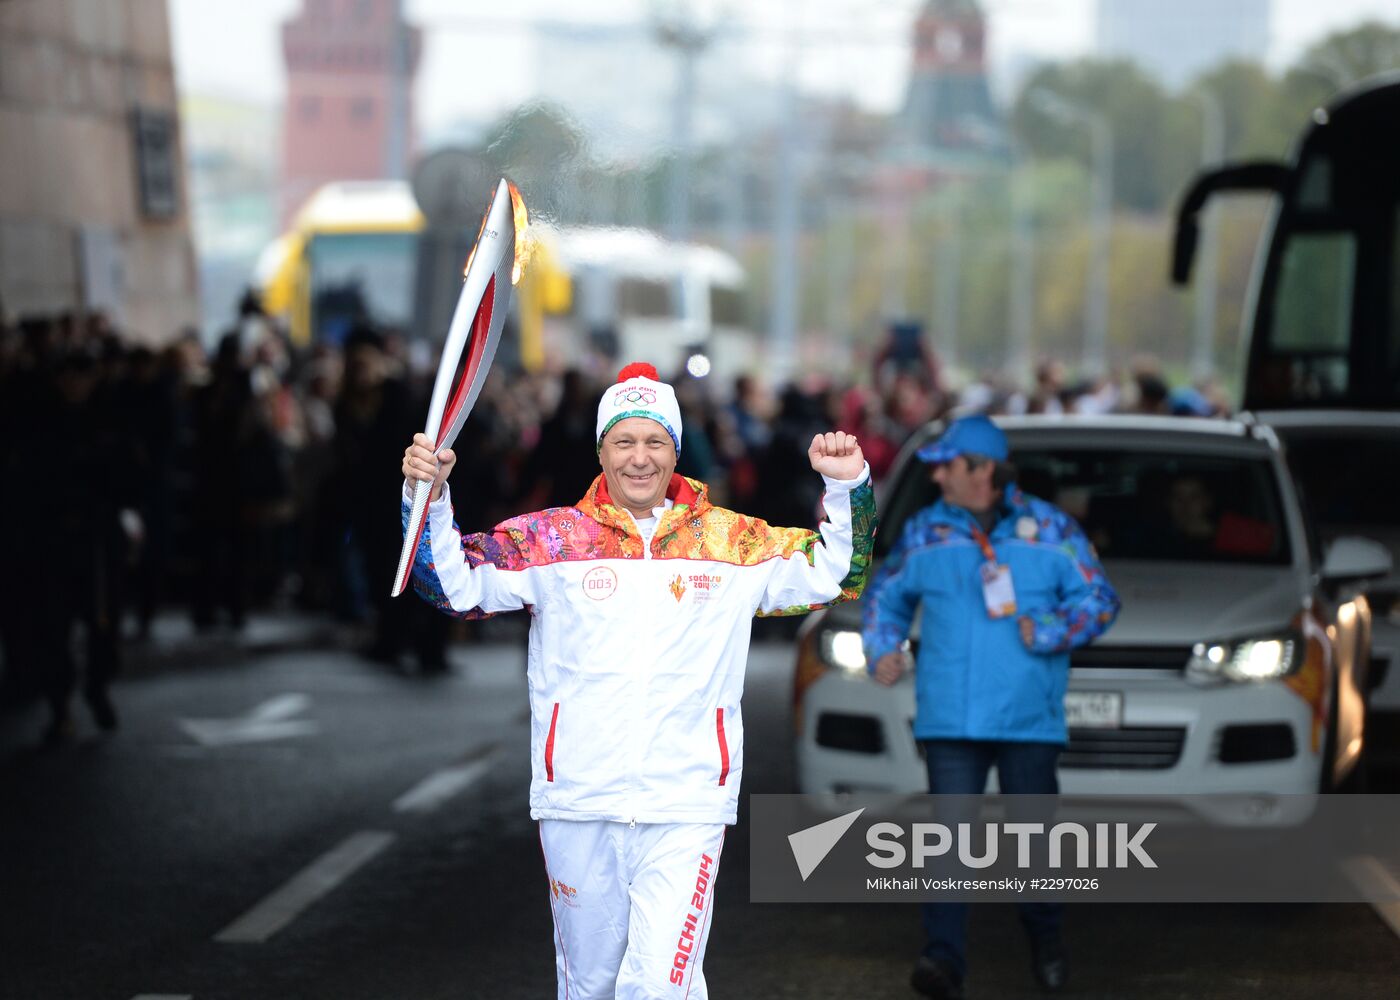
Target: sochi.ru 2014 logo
(705,585)
(600,583)
(565,894)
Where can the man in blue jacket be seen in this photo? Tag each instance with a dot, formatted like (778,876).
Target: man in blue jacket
(1009,585)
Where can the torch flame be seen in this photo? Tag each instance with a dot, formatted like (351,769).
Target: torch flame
(524,243)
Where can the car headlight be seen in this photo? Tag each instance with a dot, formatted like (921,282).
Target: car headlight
(1263,659)
(843,648)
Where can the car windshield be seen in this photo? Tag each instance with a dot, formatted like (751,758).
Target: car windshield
(361,277)
(1139,505)
(1340,488)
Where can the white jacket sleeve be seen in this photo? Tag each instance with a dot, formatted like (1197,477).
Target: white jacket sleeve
(475,575)
(811,569)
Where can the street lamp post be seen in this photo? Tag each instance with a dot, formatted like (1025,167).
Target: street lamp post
(1101,221)
(1022,298)
(783,317)
(689,40)
(1212,152)
(396,132)
(839,268)
(948,261)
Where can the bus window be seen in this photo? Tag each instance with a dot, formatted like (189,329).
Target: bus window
(1313,312)
(1315,185)
(361,276)
(1395,294)
(726,306)
(642,297)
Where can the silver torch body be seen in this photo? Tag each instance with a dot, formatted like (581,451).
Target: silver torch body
(472,338)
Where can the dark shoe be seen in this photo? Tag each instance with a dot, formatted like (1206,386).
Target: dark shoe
(60,731)
(935,978)
(1050,964)
(104,713)
(433,665)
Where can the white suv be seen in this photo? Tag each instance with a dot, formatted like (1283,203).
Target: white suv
(1237,664)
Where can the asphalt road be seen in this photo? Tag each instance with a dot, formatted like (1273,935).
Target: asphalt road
(307,824)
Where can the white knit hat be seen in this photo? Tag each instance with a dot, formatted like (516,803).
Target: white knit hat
(639,392)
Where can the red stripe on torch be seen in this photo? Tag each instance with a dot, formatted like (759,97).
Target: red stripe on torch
(476,346)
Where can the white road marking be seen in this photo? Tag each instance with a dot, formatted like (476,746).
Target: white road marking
(441,785)
(1375,880)
(284,706)
(310,884)
(271,720)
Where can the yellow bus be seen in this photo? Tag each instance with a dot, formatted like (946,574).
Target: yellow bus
(349,256)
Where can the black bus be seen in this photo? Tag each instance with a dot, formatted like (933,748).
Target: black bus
(1322,331)
(1323,319)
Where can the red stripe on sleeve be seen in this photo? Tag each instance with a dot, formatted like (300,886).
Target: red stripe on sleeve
(723,746)
(549,746)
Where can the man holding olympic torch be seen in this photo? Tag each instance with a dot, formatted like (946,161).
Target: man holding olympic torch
(641,597)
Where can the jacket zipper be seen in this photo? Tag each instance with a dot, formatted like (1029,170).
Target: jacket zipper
(646,554)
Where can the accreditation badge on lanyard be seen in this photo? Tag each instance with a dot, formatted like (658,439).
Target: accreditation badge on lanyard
(997,591)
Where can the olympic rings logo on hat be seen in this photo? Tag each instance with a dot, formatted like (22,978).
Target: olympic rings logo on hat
(634,395)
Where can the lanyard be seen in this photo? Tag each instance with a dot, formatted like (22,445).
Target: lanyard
(984,544)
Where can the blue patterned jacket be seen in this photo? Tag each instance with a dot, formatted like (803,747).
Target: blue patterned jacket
(974,677)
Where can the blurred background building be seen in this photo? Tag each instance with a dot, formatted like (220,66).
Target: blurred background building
(93,205)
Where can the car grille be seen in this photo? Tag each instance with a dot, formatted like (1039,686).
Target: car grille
(1129,748)
(1131,657)
(855,733)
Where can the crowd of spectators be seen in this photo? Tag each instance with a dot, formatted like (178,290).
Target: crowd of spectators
(143,479)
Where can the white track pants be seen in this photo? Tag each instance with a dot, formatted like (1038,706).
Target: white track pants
(632,907)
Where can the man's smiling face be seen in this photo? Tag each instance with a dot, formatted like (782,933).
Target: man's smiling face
(638,458)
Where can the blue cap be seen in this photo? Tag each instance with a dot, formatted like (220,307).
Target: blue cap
(974,435)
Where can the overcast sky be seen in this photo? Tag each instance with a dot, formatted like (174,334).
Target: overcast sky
(478,58)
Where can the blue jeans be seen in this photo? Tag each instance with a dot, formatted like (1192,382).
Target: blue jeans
(960,767)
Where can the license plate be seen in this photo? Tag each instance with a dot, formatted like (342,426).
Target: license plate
(1094,709)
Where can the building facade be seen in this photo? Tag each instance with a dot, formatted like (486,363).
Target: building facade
(93,208)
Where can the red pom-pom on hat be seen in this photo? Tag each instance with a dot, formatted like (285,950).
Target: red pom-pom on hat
(638,369)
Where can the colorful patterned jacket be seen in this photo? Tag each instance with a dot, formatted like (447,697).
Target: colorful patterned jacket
(974,677)
(636,653)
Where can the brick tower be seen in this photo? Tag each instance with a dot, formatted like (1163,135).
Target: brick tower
(349,111)
(948,107)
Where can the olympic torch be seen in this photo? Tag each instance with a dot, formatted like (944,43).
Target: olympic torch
(493,266)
